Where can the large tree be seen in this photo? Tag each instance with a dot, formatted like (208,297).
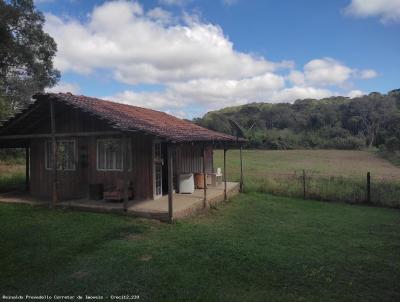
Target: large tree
(26,54)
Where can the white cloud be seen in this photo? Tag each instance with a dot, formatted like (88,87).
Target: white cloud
(160,15)
(193,60)
(355,93)
(218,93)
(296,77)
(386,10)
(210,93)
(367,74)
(65,87)
(299,92)
(326,71)
(138,49)
(154,100)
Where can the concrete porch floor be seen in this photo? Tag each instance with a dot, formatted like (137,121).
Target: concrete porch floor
(184,205)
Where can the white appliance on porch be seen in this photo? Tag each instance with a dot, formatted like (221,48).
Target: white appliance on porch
(186,183)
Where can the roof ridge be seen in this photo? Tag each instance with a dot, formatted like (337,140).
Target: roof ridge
(129,117)
(69,94)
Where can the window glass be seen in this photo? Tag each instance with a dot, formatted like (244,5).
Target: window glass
(109,154)
(157,151)
(65,155)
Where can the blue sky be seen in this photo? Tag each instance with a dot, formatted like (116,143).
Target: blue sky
(190,56)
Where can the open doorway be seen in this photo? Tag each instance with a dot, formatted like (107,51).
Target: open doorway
(164,149)
(160,169)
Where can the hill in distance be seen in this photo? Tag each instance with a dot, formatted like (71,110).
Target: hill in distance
(371,120)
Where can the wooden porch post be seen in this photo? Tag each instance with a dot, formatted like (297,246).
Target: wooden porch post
(54,155)
(126,175)
(170,185)
(27,168)
(241,170)
(225,192)
(205,205)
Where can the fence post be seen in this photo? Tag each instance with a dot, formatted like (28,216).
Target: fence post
(304,184)
(369,187)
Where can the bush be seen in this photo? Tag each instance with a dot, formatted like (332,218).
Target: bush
(12,156)
(348,143)
(392,144)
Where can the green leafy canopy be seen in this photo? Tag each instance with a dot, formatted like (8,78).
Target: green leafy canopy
(26,54)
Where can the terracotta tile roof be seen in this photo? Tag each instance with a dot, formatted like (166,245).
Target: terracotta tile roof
(127,117)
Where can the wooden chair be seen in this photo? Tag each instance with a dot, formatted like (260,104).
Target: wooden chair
(117,194)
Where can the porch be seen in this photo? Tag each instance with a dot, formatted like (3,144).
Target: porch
(184,205)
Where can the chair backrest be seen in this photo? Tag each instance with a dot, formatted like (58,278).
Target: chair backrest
(219,172)
(120,184)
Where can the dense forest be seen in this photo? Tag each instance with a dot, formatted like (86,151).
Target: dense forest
(332,123)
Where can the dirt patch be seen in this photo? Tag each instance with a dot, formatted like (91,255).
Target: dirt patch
(145,258)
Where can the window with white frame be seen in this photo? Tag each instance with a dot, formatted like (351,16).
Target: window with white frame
(110,155)
(65,154)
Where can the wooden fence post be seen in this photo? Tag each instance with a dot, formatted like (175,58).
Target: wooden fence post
(304,184)
(369,187)
(125,156)
(205,205)
(241,169)
(27,168)
(170,184)
(225,192)
(54,158)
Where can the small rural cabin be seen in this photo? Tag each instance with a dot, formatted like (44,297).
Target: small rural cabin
(75,142)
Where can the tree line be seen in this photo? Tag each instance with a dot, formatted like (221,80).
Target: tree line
(371,120)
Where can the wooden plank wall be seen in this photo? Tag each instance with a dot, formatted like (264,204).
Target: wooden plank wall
(141,174)
(189,159)
(71,183)
(75,184)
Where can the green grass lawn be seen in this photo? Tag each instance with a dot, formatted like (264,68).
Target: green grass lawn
(255,248)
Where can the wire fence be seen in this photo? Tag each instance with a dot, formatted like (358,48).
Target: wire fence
(379,189)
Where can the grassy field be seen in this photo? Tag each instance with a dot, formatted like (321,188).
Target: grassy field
(12,176)
(331,175)
(332,162)
(255,248)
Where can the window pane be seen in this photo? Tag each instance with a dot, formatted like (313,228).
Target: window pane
(110,154)
(100,154)
(157,150)
(65,155)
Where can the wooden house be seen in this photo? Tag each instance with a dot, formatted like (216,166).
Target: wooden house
(75,142)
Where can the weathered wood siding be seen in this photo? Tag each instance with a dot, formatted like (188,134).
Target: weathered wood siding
(141,174)
(71,184)
(75,184)
(189,159)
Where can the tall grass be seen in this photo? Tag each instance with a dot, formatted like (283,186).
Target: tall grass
(12,182)
(12,175)
(330,175)
(384,192)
